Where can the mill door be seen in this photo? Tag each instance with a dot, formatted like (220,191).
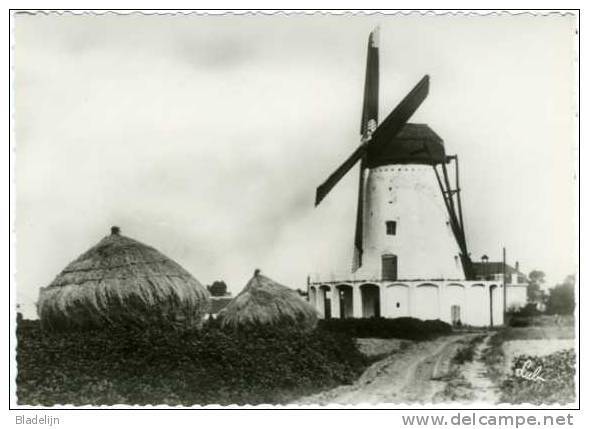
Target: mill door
(455,310)
(389,267)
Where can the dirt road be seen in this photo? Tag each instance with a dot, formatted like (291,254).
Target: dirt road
(425,372)
(412,375)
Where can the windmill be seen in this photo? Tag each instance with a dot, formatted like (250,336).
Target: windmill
(405,180)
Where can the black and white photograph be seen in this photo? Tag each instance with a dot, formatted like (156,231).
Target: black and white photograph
(306,210)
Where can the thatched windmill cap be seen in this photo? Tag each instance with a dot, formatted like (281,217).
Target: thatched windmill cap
(121,281)
(265,302)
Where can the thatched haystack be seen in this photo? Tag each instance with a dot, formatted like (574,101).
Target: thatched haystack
(265,302)
(122,282)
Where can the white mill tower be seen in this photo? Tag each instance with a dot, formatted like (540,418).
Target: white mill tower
(409,218)
(406,230)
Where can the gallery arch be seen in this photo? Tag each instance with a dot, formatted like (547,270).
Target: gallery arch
(324,301)
(346,301)
(370,300)
(397,300)
(427,295)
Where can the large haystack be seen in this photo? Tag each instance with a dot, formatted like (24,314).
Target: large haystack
(265,302)
(121,282)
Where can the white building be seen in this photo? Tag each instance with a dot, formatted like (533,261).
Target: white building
(474,303)
(516,281)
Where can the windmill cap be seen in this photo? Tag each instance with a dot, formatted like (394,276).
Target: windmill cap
(115,230)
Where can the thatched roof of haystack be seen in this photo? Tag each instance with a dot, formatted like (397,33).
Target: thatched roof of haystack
(122,282)
(263,301)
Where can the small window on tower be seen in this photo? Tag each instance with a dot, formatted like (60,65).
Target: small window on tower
(391,227)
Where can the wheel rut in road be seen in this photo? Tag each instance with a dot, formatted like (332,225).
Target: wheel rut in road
(412,375)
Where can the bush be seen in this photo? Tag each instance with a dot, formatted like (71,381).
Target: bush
(523,316)
(558,385)
(406,328)
(529,310)
(154,366)
(519,322)
(542,320)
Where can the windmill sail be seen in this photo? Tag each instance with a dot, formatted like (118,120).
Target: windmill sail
(390,127)
(367,126)
(383,134)
(370,106)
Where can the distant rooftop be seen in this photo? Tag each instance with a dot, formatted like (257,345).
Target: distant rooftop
(218,303)
(483,269)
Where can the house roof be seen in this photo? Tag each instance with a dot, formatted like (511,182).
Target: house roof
(490,268)
(218,303)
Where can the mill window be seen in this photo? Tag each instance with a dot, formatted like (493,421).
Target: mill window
(391,226)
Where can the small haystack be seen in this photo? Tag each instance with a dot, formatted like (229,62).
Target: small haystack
(265,302)
(121,282)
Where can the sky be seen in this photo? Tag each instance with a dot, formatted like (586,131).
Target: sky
(206,136)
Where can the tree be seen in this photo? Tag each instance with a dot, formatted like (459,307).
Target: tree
(561,298)
(218,288)
(534,291)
